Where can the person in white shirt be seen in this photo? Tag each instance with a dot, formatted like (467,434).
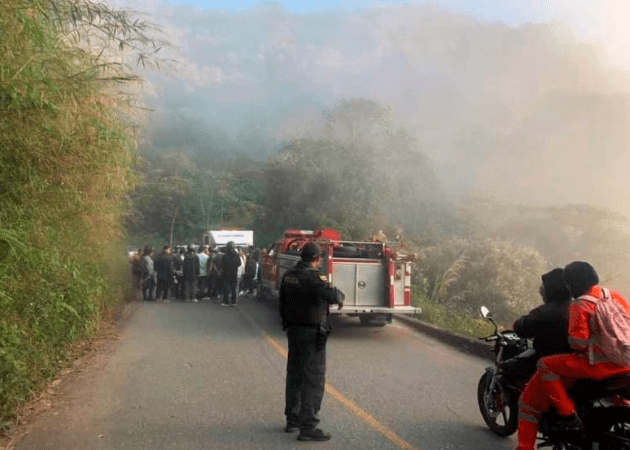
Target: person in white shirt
(202,283)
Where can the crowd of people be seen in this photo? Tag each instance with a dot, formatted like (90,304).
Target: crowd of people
(191,273)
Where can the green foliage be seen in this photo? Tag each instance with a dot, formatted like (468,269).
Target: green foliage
(178,200)
(307,186)
(561,233)
(449,318)
(501,250)
(463,274)
(65,169)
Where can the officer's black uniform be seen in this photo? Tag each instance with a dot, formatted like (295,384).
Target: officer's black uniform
(304,298)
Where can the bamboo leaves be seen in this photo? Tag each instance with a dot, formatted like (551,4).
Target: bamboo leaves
(66,160)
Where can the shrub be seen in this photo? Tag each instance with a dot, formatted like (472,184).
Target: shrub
(462,274)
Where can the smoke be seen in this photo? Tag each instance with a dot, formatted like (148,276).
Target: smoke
(603,22)
(525,100)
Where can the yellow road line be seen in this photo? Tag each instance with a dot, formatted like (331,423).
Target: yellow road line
(356,409)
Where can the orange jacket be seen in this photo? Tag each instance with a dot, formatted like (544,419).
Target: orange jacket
(580,313)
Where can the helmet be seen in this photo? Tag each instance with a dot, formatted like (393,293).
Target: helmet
(310,252)
(231,245)
(580,276)
(190,248)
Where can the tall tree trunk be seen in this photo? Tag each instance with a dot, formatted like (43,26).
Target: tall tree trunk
(173,226)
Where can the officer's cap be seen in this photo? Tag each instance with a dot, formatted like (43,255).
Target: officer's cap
(310,252)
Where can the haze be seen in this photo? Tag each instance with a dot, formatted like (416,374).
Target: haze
(530,112)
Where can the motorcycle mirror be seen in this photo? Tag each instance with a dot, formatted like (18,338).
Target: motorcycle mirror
(485,313)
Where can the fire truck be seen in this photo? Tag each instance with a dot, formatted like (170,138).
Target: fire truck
(374,276)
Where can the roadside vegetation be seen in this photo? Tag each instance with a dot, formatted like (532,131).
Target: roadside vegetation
(67,151)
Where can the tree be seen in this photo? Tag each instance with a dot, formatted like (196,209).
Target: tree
(179,198)
(357,120)
(161,204)
(318,182)
(364,174)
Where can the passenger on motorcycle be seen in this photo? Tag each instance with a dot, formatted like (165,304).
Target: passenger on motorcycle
(548,324)
(548,386)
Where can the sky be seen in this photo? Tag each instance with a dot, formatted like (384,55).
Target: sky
(519,98)
(489,10)
(591,17)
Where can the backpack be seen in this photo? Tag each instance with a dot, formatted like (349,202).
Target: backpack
(611,328)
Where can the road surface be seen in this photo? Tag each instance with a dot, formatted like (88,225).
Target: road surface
(201,376)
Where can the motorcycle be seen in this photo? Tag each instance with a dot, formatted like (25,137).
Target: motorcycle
(501,385)
(602,405)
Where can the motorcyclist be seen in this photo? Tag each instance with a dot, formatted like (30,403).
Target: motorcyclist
(547,324)
(555,373)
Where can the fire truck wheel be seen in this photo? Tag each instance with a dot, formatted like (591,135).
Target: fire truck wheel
(372,320)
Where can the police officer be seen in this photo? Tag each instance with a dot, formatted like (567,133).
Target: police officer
(304,298)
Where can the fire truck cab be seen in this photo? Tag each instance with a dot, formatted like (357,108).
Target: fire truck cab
(374,276)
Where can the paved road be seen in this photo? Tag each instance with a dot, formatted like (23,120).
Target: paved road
(200,376)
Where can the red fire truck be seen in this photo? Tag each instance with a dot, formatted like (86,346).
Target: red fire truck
(374,276)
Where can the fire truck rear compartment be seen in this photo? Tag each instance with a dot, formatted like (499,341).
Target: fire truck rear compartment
(361,283)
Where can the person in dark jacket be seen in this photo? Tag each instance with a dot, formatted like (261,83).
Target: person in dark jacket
(249,276)
(163,266)
(178,270)
(305,296)
(548,324)
(230,263)
(191,273)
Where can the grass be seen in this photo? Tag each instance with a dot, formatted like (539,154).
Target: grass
(456,321)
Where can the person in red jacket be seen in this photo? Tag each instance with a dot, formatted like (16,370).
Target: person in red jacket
(556,373)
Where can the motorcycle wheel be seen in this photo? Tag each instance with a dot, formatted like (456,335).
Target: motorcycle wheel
(616,428)
(498,409)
